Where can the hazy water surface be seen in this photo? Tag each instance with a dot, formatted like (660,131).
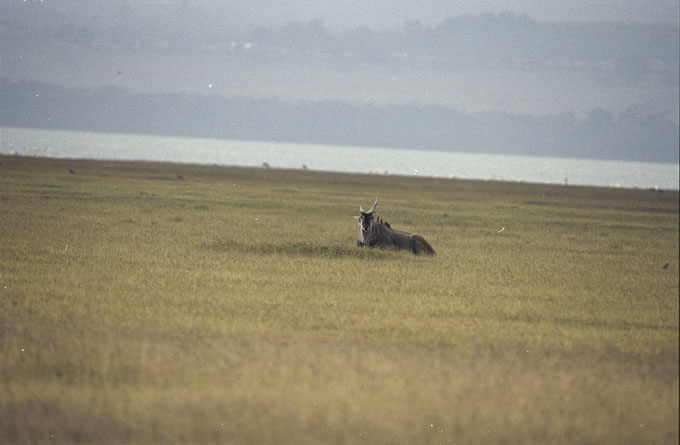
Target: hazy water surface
(69,144)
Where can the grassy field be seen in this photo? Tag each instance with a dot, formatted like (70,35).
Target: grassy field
(231,306)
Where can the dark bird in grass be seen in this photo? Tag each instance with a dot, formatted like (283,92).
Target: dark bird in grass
(71,172)
(665,266)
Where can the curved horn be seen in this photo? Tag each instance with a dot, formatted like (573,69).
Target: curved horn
(361,209)
(374,204)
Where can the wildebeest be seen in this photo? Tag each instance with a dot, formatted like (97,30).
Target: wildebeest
(374,232)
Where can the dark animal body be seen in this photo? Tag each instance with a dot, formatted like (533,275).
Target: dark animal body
(374,232)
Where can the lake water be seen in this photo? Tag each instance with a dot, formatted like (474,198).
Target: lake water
(71,144)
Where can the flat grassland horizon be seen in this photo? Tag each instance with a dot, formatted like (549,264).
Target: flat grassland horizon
(148,302)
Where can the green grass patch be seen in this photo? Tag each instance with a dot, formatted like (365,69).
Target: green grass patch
(300,248)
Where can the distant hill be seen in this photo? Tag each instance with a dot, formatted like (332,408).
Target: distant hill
(635,134)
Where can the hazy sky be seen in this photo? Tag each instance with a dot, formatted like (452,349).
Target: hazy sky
(375,14)
(138,49)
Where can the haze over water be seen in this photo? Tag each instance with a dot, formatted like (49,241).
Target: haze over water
(67,144)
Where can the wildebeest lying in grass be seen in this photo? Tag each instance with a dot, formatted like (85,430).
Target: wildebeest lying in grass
(374,232)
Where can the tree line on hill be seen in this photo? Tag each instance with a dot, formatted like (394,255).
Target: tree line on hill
(626,52)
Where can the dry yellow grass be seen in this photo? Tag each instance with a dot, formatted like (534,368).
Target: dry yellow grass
(232,307)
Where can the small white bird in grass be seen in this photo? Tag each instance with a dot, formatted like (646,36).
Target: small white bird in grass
(503,228)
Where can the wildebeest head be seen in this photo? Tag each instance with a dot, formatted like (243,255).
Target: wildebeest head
(366,218)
